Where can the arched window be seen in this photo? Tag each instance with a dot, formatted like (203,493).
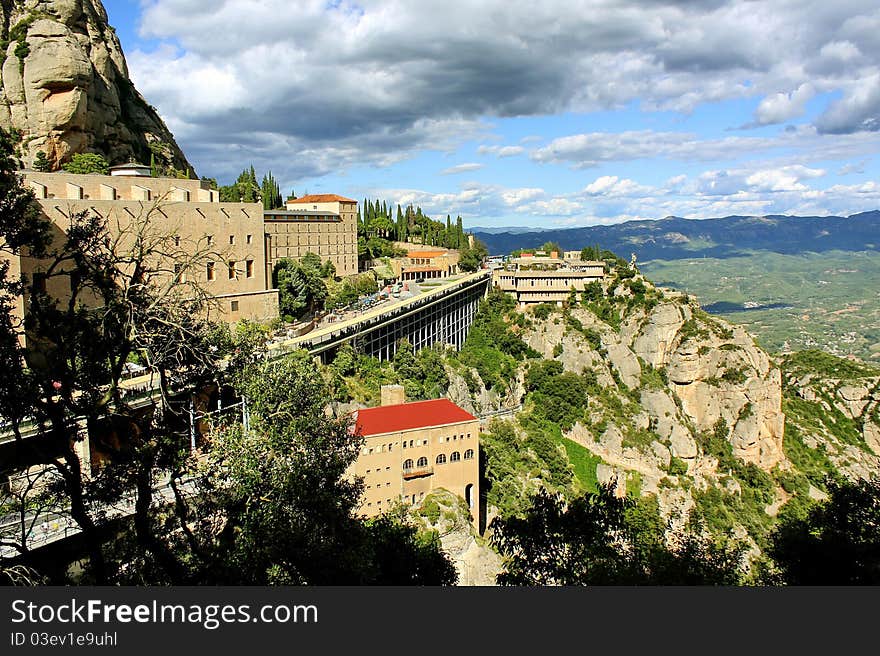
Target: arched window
(407,464)
(469,454)
(455,456)
(441,459)
(423,462)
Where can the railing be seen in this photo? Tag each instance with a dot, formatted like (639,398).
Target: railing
(417,472)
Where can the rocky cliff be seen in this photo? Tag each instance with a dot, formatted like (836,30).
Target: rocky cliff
(66,90)
(687,407)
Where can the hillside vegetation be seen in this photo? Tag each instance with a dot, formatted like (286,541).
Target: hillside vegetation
(640,389)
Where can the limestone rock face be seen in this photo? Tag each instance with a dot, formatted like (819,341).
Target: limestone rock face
(713,371)
(653,342)
(726,377)
(65,88)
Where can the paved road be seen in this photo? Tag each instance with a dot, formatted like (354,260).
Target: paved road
(52,526)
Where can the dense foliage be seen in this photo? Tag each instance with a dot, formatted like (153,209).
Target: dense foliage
(301,285)
(837,542)
(599,538)
(87,163)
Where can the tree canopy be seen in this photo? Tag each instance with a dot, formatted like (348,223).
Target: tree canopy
(87,163)
(837,542)
(602,539)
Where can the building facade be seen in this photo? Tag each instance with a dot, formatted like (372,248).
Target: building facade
(411,449)
(324,224)
(189,218)
(534,280)
(427,265)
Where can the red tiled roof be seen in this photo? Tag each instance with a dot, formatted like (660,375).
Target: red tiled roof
(430,254)
(320,198)
(407,416)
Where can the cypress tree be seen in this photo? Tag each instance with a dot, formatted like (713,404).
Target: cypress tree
(271,192)
(401,225)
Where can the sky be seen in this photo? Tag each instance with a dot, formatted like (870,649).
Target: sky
(521,113)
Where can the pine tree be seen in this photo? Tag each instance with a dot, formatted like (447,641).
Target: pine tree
(41,163)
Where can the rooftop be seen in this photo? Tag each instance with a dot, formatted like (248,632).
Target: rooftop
(407,416)
(428,254)
(320,198)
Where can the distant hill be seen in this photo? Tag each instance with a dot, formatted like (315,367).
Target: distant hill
(675,238)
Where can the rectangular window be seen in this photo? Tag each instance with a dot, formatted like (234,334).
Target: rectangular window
(210,239)
(249,268)
(232,240)
(179,275)
(233,305)
(210,271)
(250,239)
(40,282)
(231,270)
(177,241)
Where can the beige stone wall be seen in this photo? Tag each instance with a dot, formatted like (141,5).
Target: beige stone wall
(383,456)
(70,186)
(224,241)
(259,306)
(331,240)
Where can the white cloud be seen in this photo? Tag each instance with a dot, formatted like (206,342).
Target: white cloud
(461,168)
(610,186)
(859,109)
(355,81)
(518,196)
(784,179)
(781,107)
(501,151)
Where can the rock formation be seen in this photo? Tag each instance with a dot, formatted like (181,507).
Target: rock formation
(65,88)
(687,407)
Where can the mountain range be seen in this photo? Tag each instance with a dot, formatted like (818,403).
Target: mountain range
(674,237)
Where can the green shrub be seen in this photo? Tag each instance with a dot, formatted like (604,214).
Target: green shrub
(543,310)
(430,510)
(677,467)
(85,163)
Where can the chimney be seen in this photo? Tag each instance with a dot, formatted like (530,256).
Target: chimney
(393,395)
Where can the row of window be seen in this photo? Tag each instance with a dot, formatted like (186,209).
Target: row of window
(455,456)
(404,498)
(453,438)
(231,272)
(382,448)
(249,239)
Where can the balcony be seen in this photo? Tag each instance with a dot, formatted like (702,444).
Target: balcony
(417,472)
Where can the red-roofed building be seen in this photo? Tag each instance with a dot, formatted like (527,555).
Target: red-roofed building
(426,264)
(320,198)
(411,449)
